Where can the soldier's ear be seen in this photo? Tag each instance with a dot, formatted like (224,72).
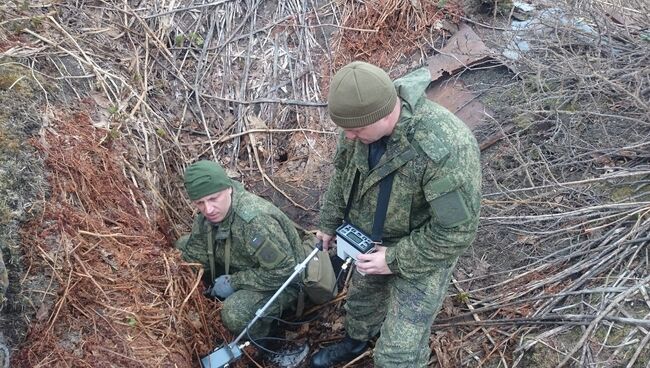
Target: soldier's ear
(230,197)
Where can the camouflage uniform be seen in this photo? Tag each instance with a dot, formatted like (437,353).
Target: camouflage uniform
(432,218)
(264,249)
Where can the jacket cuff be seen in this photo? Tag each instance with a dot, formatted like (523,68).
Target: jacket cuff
(328,229)
(391,260)
(235,281)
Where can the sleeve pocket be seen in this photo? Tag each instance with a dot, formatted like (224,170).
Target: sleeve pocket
(450,209)
(269,255)
(447,202)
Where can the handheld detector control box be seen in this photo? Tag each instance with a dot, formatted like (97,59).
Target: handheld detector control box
(222,358)
(351,241)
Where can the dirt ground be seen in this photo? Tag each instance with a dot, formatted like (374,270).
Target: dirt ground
(104,104)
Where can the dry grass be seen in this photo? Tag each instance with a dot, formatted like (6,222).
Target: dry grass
(124,298)
(242,83)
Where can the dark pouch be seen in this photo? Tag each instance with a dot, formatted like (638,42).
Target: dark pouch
(319,279)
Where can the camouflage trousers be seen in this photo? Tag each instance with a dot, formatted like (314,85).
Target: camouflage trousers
(400,310)
(240,307)
(4,279)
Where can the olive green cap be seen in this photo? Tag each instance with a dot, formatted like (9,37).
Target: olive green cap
(205,177)
(360,94)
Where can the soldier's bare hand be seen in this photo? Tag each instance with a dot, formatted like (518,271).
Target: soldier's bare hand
(373,263)
(327,239)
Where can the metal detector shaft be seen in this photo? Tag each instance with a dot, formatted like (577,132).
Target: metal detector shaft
(299,268)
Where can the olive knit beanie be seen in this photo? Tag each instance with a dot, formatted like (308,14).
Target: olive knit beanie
(203,178)
(360,94)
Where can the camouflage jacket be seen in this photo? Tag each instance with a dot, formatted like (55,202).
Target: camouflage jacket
(433,209)
(264,243)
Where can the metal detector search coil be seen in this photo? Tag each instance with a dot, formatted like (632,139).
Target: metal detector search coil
(351,241)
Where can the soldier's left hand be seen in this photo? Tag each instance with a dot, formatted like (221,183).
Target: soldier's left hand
(373,263)
(222,287)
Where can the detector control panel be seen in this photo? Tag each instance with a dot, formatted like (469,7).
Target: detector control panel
(351,241)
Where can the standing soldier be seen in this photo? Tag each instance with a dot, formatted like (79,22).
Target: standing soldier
(392,129)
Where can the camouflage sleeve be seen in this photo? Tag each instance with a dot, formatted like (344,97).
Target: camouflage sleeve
(268,244)
(193,246)
(453,197)
(333,208)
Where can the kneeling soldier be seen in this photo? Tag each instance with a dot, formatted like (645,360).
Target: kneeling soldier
(245,244)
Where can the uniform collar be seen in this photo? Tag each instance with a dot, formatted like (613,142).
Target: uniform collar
(411,88)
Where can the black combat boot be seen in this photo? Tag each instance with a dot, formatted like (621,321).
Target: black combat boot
(289,356)
(346,350)
(281,352)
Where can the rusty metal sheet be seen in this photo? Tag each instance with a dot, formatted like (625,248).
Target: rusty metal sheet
(455,97)
(463,49)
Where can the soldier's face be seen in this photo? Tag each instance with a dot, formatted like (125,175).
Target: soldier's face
(366,135)
(215,206)
(375,131)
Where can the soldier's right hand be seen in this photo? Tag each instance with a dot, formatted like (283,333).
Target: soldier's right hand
(327,239)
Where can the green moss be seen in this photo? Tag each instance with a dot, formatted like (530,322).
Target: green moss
(8,143)
(606,340)
(112,110)
(12,81)
(614,336)
(504,6)
(16,79)
(463,297)
(5,214)
(36,22)
(644,190)
(553,103)
(196,39)
(23,5)
(622,193)
(523,121)
(179,40)
(540,356)
(645,36)
(571,106)
(535,84)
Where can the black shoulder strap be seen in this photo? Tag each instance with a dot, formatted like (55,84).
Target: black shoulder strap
(385,188)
